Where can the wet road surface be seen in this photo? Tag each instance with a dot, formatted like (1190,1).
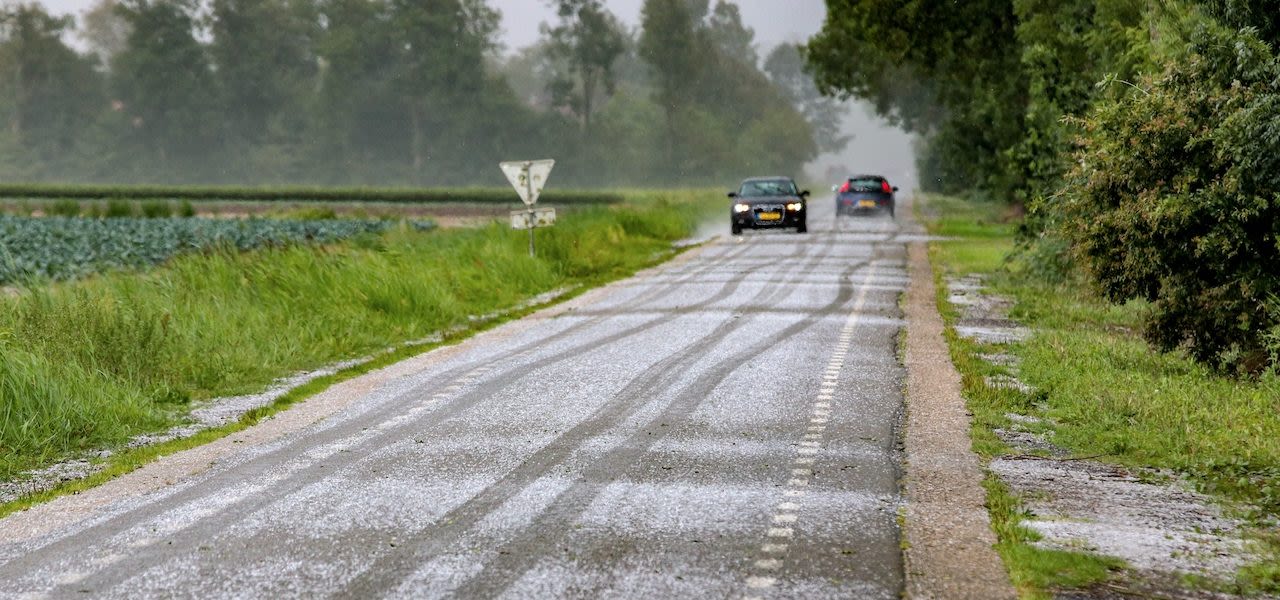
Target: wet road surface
(721,427)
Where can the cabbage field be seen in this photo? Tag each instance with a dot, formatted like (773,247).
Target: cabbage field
(34,248)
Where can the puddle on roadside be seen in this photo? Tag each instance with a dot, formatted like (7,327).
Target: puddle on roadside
(984,318)
(1160,528)
(1007,382)
(1001,359)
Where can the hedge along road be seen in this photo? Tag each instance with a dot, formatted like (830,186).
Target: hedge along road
(721,426)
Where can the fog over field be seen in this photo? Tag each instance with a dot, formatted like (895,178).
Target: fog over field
(872,147)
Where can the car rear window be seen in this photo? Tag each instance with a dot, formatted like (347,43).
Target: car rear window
(866,184)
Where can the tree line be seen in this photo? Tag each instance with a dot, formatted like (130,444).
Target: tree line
(1142,136)
(396,92)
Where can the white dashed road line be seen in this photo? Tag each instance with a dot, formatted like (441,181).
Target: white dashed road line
(786,514)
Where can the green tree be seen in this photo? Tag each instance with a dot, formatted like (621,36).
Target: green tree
(52,92)
(785,66)
(405,92)
(263,61)
(949,71)
(730,35)
(1067,48)
(440,65)
(987,84)
(673,47)
(357,124)
(530,71)
(385,91)
(104,31)
(164,80)
(588,41)
(693,74)
(1263,15)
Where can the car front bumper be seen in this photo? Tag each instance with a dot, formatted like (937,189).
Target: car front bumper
(750,221)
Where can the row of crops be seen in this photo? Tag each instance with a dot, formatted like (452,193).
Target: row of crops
(69,247)
(296,193)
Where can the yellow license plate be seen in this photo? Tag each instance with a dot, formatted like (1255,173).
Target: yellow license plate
(770,216)
(866,204)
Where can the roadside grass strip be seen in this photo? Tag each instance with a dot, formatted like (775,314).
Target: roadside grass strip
(766,569)
(1096,390)
(87,365)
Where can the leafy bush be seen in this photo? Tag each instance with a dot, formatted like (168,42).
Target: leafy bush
(310,213)
(118,209)
(1271,337)
(1176,199)
(63,208)
(155,209)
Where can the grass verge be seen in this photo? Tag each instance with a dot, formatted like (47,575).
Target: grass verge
(131,459)
(1108,394)
(88,364)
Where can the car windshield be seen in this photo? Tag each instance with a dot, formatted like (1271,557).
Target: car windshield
(773,187)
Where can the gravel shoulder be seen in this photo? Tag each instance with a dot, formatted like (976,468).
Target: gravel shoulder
(948,540)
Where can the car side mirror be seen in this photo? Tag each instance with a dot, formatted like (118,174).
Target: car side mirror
(895,188)
(835,188)
(804,194)
(733,194)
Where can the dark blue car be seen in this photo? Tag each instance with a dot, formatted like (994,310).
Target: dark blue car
(863,194)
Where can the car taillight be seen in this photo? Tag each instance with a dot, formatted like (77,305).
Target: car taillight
(844,189)
(885,185)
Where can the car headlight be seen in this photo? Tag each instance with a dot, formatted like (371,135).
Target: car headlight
(741,208)
(795,206)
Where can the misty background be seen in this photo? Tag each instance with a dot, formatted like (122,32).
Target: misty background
(335,92)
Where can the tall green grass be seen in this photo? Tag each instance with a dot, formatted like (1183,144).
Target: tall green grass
(49,408)
(88,364)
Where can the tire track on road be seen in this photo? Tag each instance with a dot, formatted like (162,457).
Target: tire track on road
(112,526)
(518,556)
(394,567)
(258,494)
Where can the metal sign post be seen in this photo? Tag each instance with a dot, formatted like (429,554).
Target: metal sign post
(528,177)
(528,183)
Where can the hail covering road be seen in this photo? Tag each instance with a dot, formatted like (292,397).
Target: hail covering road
(724,426)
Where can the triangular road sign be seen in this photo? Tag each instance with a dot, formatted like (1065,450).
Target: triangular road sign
(528,177)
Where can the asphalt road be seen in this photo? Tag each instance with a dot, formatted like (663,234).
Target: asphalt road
(722,427)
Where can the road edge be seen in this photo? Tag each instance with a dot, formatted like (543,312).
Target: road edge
(948,542)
